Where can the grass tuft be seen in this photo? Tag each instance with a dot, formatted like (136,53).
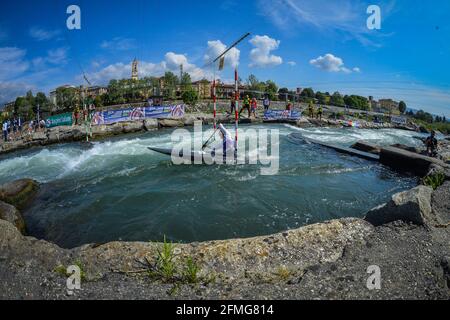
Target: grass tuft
(167,270)
(191,271)
(435,180)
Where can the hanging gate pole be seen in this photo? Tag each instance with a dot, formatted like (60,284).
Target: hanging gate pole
(236,112)
(215,102)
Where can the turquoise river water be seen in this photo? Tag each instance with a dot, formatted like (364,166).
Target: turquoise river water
(120,190)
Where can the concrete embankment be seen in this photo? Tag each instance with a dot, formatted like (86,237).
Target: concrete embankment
(398,157)
(408,159)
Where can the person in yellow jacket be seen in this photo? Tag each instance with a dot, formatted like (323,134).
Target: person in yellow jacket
(320,113)
(311,110)
(246,106)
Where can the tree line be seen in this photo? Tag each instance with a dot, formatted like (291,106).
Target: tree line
(172,87)
(426,117)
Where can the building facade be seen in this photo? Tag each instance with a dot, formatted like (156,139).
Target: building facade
(8,109)
(96,91)
(388,104)
(203,88)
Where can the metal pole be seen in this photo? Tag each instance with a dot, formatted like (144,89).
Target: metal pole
(236,113)
(228,49)
(215,102)
(232,46)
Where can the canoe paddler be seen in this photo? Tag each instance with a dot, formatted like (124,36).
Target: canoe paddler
(227,145)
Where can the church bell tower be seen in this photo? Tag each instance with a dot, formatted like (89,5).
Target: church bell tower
(134,70)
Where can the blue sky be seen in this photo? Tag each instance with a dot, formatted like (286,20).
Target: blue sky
(298,43)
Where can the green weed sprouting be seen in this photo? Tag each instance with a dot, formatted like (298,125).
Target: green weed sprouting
(165,265)
(167,270)
(191,271)
(435,180)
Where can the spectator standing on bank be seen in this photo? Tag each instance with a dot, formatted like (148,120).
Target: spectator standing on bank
(266,103)
(320,113)
(30,127)
(19,123)
(232,105)
(254,106)
(14,128)
(5,130)
(42,124)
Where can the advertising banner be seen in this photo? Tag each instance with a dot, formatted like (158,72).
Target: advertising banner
(282,115)
(132,114)
(64,119)
(399,120)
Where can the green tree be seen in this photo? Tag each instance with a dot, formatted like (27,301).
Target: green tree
(186,80)
(255,85)
(252,82)
(43,102)
(22,106)
(357,102)
(402,107)
(98,101)
(30,98)
(308,93)
(271,89)
(190,97)
(283,94)
(322,98)
(170,85)
(337,100)
(424,116)
(67,98)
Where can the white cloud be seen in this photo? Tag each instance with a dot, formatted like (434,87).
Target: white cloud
(171,62)
(18,74)
(328,63)
(215,48)
(344,18)
(113,71)
(12,62)
(57,56)
(260,56)
(119,43)
(9,91)
(331,63)
(292,63)
(40,34)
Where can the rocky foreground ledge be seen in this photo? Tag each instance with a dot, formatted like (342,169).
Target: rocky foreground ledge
(407,238)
